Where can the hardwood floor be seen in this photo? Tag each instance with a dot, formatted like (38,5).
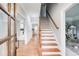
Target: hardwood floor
(27,50)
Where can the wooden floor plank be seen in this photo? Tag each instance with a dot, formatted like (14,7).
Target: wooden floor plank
(27,50)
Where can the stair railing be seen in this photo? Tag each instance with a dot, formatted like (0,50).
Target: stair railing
(52,20)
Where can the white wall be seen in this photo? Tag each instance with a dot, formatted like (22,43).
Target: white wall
(28,30)
(30,13)
(28,27)
(57,11)
(43,10)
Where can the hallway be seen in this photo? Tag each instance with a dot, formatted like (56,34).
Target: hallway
(32,29)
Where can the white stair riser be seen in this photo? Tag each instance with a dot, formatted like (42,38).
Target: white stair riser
(48,38)
(43,33)
(48,42)
(46,31)
(48,47)
(48,35)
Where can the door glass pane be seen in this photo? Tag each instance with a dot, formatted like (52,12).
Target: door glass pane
(3,32)
(12,27)
(3,24)
(12,9)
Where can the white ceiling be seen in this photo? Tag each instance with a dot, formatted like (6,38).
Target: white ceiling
(31,9)
(73,13)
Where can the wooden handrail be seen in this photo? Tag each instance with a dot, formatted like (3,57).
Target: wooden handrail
(52,20)
(6,39)
(2,8)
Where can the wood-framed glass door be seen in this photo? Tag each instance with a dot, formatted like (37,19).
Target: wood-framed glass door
(8,29)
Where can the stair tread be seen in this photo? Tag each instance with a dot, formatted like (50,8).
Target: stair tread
(51,50)
(49,47)
(49,44)
(48,39)
(45,27)
(53,55)
(47,35)
(45,30)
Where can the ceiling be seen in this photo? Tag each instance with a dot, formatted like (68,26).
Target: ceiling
(73,13)
(28,9)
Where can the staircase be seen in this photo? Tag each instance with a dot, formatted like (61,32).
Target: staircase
(49,45)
